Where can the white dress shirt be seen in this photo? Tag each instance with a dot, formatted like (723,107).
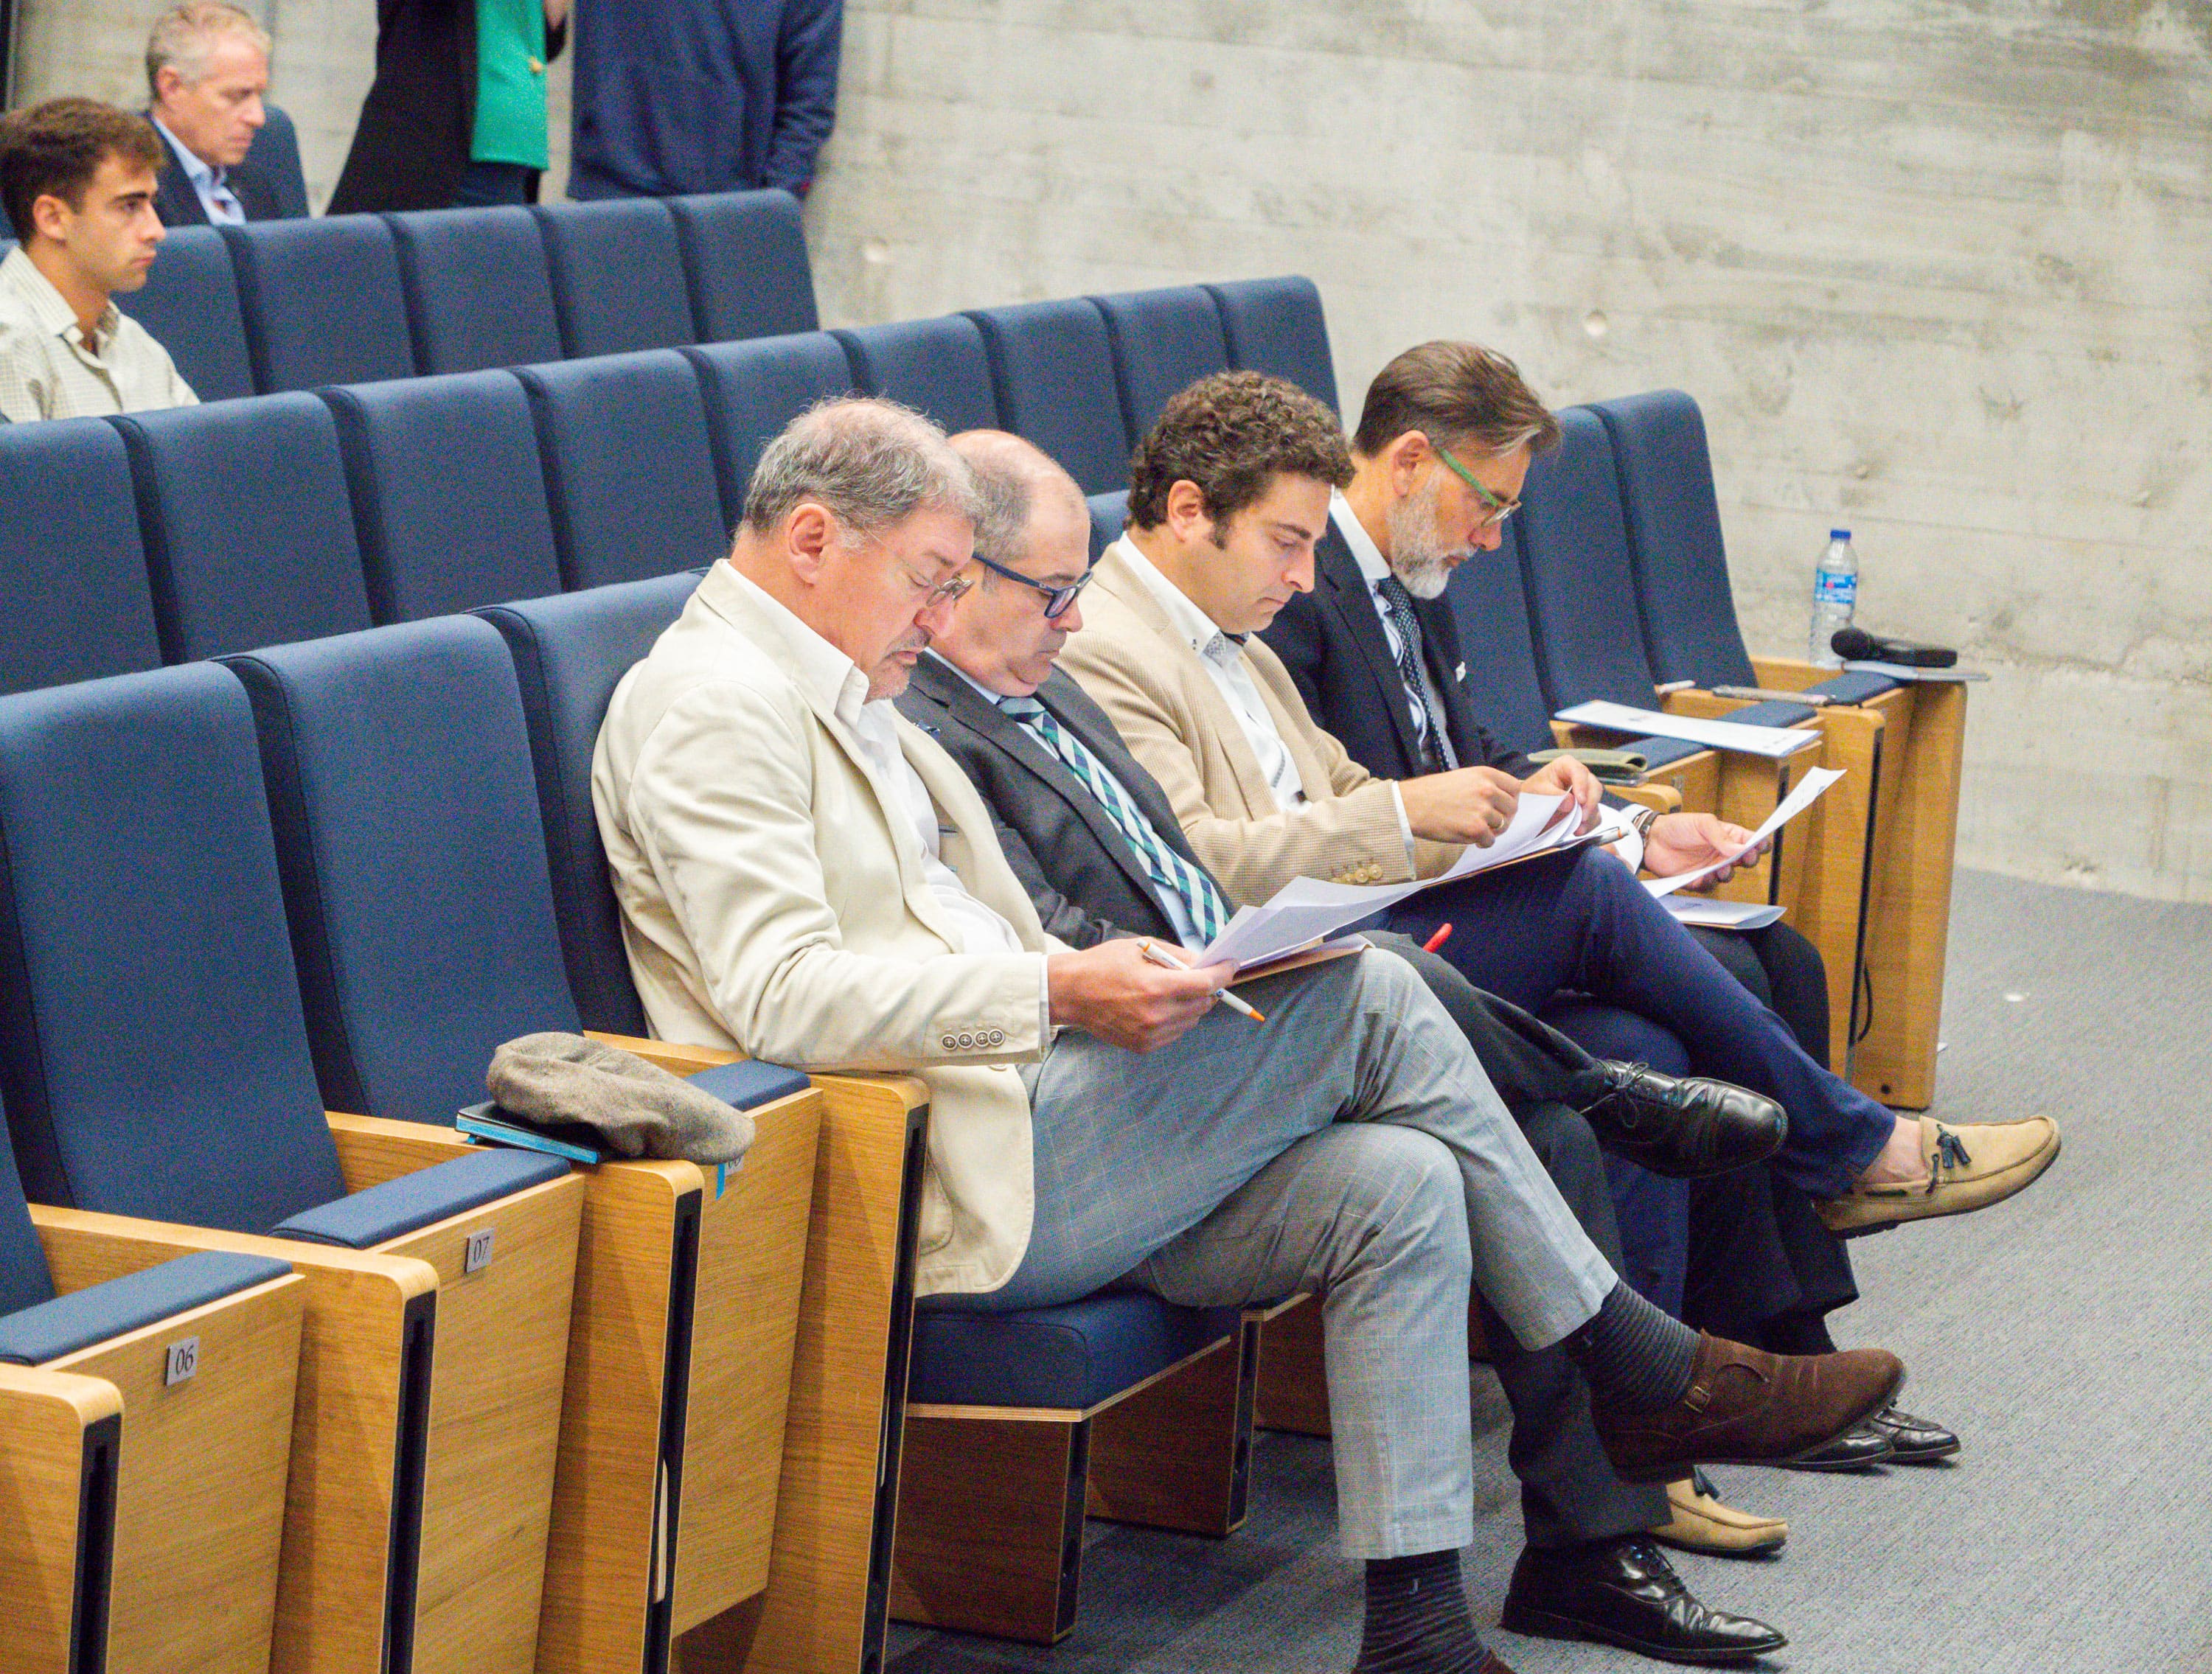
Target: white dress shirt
(1224,657)
(210,185)
(1374,569)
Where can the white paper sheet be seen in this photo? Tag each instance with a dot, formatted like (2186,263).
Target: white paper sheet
(1771,741)
(1709,914)
(1307,909)
(1816,781)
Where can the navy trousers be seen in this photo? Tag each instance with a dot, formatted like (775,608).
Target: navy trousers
(1581,921)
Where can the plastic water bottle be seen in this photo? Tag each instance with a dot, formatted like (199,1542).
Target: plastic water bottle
(1835,593)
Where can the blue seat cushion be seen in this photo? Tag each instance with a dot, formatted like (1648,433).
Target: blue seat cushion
(100,1312)
(1774,711)
(750,1083)
(1072,1357)
(1853,687)
(366,1219)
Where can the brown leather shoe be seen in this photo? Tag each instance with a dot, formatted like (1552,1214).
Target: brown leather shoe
(1745,1406)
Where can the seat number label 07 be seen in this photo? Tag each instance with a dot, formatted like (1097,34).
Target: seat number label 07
(184,1360)
(479,1252)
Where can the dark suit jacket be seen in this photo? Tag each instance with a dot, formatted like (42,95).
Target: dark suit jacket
(701,96)
(179,205)
(1080,871)
(1332,641)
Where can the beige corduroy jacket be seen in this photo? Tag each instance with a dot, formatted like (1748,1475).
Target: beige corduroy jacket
(1135,665)
(770,904)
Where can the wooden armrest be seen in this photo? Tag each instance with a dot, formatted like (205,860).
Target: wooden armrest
(851,1093)
(1664,798)
(45,1418)
(373,1149)
(83,1248)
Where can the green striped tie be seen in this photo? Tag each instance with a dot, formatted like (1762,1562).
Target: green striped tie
(1208,912)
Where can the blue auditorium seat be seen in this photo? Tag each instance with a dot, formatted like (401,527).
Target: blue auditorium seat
(157,1065)
(1277,325)
(322,301)
(1674,522)
(74,602)
(935,365)
(618,280)
(190,304)
(745,257)
(1110,515)
(477,292)
(1073,1356)
(448,498)
(397,768)
(248,528)
(755,387)
(1163,341)
(628,470)
(277,154)
(1588,630)
(1491,604)
(1052,368)
(157,1057)
(569,653)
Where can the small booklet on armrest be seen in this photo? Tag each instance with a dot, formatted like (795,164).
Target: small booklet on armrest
(579,1142)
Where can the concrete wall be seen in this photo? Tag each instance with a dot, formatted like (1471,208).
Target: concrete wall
(1938,269)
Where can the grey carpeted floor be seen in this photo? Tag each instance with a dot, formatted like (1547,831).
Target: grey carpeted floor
(2065,1335)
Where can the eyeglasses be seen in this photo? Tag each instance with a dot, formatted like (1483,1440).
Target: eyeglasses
(1056,599)
(943,592)
(1498,510)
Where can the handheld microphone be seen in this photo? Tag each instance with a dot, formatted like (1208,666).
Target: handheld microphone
(1856,645)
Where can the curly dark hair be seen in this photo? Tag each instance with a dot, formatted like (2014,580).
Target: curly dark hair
(55,149)
(1232,435)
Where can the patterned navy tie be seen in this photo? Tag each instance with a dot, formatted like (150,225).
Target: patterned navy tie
(1400,604)
(1208,912)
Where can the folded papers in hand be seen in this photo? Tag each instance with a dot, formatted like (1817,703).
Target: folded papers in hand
(585,1099)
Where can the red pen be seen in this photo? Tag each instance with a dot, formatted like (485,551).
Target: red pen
(1442,935)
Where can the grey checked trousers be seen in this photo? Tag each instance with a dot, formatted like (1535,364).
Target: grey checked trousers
(1349,1145)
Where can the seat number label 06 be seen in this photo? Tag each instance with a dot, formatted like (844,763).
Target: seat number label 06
(479,1252)
(184,1360)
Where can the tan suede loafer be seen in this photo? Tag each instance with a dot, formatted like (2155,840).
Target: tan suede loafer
(1701,1523)
(1969,1167)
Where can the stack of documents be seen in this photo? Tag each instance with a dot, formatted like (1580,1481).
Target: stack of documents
(1306,911)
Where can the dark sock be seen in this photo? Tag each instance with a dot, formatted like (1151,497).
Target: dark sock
(1418,1621)
(1633,1355)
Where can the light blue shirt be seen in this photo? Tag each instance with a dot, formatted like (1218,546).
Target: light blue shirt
(216,196)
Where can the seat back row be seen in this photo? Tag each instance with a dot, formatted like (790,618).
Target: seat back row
(195,532)
(289,305)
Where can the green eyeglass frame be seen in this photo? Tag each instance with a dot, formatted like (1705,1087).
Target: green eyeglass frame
(1498,509)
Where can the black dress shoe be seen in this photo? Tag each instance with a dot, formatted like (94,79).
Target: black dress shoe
(1684,1128)
(1858,1448)
(1913,1441)
(1624,1593)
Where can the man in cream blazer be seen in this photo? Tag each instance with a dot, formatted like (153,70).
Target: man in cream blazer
(1229,494)
(805,877)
